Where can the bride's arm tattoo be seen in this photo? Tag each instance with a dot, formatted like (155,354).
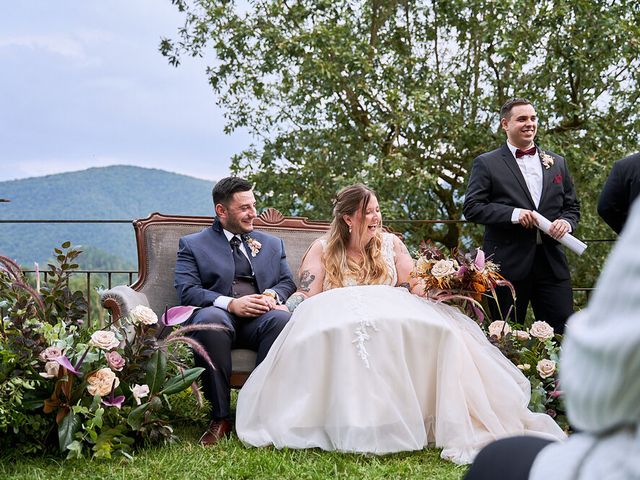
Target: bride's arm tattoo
(295,300)
(306,279)
(405,285)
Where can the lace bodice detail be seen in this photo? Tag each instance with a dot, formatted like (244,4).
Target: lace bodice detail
(389,257)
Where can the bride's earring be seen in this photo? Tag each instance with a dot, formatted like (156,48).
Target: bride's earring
(349,228)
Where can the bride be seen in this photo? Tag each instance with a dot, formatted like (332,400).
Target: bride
(366,365)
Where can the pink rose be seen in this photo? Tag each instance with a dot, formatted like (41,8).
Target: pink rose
(143,315)
(499,328)
(546,368)
(104,339)
(443,268)
(50,353)
(541,330)
(115,360)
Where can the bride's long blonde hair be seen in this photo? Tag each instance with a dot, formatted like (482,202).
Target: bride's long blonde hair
(337,264)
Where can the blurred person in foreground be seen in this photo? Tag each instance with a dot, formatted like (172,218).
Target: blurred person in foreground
(600,377)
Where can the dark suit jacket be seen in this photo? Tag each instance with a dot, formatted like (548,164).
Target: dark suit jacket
(496,187)
(619,191)
(205,268)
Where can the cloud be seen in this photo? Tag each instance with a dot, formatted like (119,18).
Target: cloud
(64,46)
(129,107)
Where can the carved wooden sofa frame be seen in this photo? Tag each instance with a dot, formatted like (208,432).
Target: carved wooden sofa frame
(157,242)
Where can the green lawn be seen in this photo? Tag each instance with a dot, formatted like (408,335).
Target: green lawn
(230,459)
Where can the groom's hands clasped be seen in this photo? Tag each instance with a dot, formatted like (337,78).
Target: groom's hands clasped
(251,305)
(558,227)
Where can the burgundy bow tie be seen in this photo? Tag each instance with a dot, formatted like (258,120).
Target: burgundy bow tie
(522,153)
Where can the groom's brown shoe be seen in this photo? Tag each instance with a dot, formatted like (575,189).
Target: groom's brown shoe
(217,429)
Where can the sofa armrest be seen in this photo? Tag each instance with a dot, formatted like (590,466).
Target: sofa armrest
(121,300)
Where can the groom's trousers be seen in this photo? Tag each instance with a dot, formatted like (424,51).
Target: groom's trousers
(256,333)
(551,297)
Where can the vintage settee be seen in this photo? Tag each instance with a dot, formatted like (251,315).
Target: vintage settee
(157,242)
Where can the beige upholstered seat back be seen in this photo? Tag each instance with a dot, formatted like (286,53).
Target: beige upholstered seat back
(296,243)
(161,244)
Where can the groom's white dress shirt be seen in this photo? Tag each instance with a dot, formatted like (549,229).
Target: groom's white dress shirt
(531,168)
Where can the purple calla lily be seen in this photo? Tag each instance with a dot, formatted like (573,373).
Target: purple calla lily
(461,271)
(112,401)
(64,362)
(479,261)
(177,315)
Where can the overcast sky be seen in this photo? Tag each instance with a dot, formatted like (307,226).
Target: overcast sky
(83,84)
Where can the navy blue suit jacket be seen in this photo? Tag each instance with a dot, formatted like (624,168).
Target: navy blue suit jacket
(496,187)
(205,268)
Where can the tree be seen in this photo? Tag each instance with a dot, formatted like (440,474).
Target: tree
(402,95)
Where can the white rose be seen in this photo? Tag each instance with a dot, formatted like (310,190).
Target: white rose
(104,339)
(101,382)
(50,353)
(546,368)
(521,334)
(442,268)
(139,391)
(144,315)
(541,330)
(50,370)
(499,328)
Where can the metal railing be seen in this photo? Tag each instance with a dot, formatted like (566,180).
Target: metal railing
(132,274)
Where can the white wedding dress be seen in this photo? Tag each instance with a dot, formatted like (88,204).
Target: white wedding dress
(376,369)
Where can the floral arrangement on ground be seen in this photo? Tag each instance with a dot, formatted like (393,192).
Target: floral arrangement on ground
(468,280)
(88,392)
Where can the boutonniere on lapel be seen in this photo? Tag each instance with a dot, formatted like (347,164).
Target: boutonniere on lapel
(253,244)
(546,159)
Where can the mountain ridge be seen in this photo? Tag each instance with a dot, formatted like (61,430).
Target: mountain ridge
(117,192)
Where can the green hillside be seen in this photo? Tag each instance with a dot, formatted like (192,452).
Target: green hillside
(113,193)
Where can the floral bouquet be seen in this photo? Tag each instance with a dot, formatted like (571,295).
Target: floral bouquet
(461,279)
(91,392)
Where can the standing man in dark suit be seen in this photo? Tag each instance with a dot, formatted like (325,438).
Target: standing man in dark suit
(506,185)
(240,278)
(620,190)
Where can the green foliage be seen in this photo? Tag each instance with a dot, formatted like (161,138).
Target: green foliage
(403,95)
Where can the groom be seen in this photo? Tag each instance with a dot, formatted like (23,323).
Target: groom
(505,187)
(241,279)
